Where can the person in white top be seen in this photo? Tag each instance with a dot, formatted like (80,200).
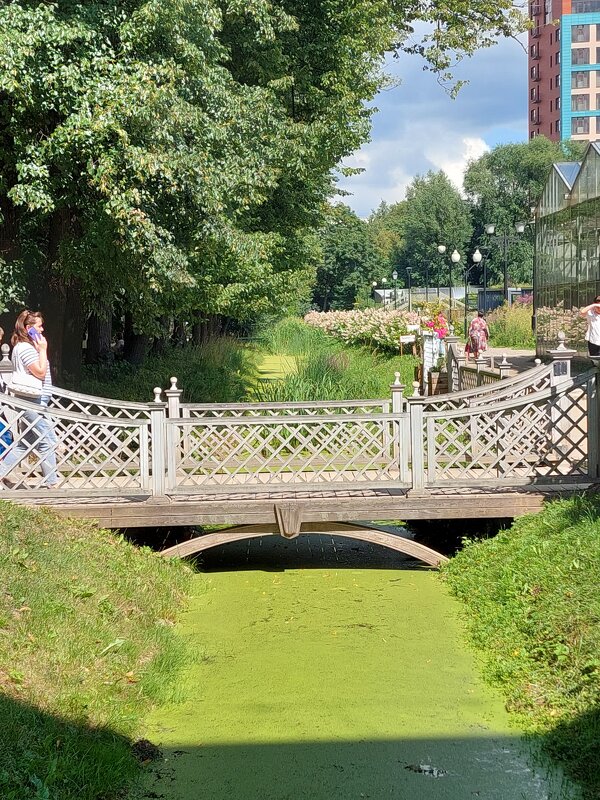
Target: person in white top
(30,355)
(592,335)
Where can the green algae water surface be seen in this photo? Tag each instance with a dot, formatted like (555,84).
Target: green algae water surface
(325,670)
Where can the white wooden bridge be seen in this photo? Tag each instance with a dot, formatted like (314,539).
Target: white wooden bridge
(496,448)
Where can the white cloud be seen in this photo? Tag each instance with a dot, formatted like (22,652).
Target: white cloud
(454,157)
(418,127)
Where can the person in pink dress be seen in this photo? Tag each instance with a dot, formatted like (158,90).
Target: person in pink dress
(477,337)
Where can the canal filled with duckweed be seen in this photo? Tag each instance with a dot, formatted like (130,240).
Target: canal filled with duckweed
(326,669)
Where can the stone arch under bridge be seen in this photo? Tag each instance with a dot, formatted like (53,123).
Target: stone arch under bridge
(360,531)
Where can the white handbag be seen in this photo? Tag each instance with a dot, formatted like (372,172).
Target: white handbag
(25,385)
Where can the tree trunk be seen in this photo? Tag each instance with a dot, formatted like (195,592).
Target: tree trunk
(179,336)
(159,345)
(136,344)
(99,340)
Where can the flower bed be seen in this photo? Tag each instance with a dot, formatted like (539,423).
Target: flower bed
(375,327)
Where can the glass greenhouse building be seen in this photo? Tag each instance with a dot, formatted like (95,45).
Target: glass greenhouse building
(567,259)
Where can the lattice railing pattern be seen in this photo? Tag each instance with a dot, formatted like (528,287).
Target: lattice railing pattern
(93,454)
(541,437)
(468,378)
(337,448)
(534,380)
(97,406)
(521,429)
(225,410)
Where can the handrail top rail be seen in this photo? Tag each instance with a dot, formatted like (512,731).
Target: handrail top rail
(58,391)
(496,388)
(284,405)
(389,416)
(23,405)
(515,402)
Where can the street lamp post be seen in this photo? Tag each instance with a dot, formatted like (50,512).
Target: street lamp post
(505,239)
(476,257)
(441,250)
(408,271)
(454,259)
(395,279)
(383,283)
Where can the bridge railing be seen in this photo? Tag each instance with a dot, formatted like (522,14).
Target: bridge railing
(541,436)
(533,380)
(286,452)
(96,455)
(540,426)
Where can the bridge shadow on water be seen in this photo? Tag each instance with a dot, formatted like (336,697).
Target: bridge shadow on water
(307,551)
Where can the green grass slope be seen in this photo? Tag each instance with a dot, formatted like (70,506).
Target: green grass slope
(532,598)
(86,645)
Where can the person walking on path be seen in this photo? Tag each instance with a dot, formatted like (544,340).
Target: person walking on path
(30,357)
(592,335)
(478,336)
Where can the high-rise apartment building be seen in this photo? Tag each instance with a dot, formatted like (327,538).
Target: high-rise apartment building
(564,69)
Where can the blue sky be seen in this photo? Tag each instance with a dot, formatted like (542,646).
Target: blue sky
(418,126)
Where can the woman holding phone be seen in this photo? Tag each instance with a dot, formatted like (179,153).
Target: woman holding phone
(30,356)
(592,336)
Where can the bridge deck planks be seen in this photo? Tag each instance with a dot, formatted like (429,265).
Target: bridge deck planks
(315,506)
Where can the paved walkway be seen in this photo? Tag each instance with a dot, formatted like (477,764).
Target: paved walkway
(521,360)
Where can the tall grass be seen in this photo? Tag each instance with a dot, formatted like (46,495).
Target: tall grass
(290,336)
(510,326)
(533,609)
(215,372)
(325,369)
(86,644)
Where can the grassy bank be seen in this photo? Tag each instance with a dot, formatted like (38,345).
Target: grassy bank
(86,645)
(325,369)
(533,609)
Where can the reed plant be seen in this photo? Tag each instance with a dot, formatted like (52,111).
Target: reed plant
(290,336)
(326,369)
(510,326)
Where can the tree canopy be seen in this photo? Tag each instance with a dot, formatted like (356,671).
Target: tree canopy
(172,157)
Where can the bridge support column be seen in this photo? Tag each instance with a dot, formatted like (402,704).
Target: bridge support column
(289,519)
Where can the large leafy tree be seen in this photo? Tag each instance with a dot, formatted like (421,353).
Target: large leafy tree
(175,156)
(502,186)
(434,213)
(386,232)
(349,261)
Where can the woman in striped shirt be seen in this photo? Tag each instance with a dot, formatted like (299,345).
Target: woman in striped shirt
(30,355)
